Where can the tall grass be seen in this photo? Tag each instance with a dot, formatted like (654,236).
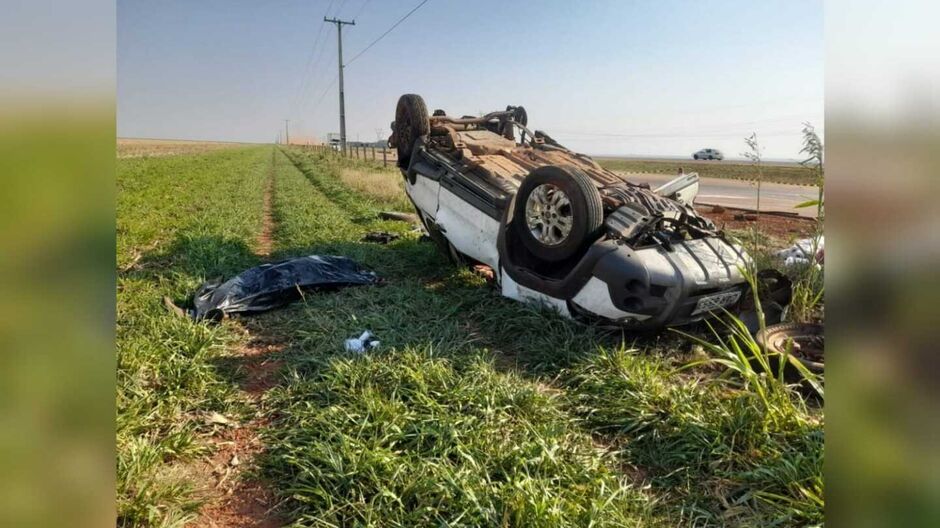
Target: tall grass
(716,453)
(808,287)
(384,185)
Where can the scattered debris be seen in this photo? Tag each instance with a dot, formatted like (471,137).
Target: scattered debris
(215,418)
(801,252)
(485,271)
(273,285)
(133,262)
(380,237)
(718,209)
(362,343)
(401,217)
(172,307)
(747,217)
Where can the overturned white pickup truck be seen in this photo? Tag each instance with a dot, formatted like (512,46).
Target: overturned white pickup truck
(557,228)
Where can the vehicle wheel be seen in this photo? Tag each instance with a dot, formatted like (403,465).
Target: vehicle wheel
(411,123)
(808,342)
(519,115)
(556,212)
(695,158)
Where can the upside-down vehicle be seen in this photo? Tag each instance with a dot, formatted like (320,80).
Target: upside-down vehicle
(557,228)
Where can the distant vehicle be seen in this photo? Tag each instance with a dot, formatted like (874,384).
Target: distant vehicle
(708,154)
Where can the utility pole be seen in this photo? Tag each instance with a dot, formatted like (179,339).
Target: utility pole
(342,101)
(287,130)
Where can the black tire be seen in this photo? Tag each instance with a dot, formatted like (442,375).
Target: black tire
(411,123)
(808,337)
(519,115)
(586,212)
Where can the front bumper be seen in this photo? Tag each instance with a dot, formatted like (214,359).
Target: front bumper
(656,286)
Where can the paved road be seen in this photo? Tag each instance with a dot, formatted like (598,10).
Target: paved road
(740,193)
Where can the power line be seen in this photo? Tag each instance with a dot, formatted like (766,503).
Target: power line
(389,30)
(309,64)
(326,91)
(339,8)
(363,6)
(303,99)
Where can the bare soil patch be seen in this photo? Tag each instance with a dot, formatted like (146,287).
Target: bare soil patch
(265,241)
(235,497)
(778,226)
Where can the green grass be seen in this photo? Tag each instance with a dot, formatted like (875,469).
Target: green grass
(408,438)
(794,174)
(183,219)
(475,410)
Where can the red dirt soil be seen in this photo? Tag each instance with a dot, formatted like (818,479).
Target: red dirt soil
(235,501)
(779,226)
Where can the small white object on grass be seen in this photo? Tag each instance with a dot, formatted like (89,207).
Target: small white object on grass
(362,343)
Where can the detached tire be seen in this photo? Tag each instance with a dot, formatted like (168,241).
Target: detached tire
(411,123)
(807,342)
(557,212)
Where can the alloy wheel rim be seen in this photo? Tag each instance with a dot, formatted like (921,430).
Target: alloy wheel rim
(548,214)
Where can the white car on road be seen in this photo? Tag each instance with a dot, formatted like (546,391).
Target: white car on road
(708,154)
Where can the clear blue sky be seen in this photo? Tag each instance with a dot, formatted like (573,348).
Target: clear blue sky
(605,77)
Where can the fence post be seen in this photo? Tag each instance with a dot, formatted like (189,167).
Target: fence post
(384,159)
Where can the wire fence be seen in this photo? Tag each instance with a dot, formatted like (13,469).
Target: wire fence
(383,156)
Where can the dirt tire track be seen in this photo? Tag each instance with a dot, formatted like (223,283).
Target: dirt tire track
(236,499)
(265,240)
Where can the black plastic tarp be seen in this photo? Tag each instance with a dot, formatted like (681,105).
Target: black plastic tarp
(272,285)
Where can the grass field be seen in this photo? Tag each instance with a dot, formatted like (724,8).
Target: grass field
(475,410)
(138,148)
(776,173)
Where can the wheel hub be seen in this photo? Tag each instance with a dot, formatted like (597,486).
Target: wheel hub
(548,214)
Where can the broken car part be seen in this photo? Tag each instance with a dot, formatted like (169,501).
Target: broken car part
(380,237)
(402,217)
